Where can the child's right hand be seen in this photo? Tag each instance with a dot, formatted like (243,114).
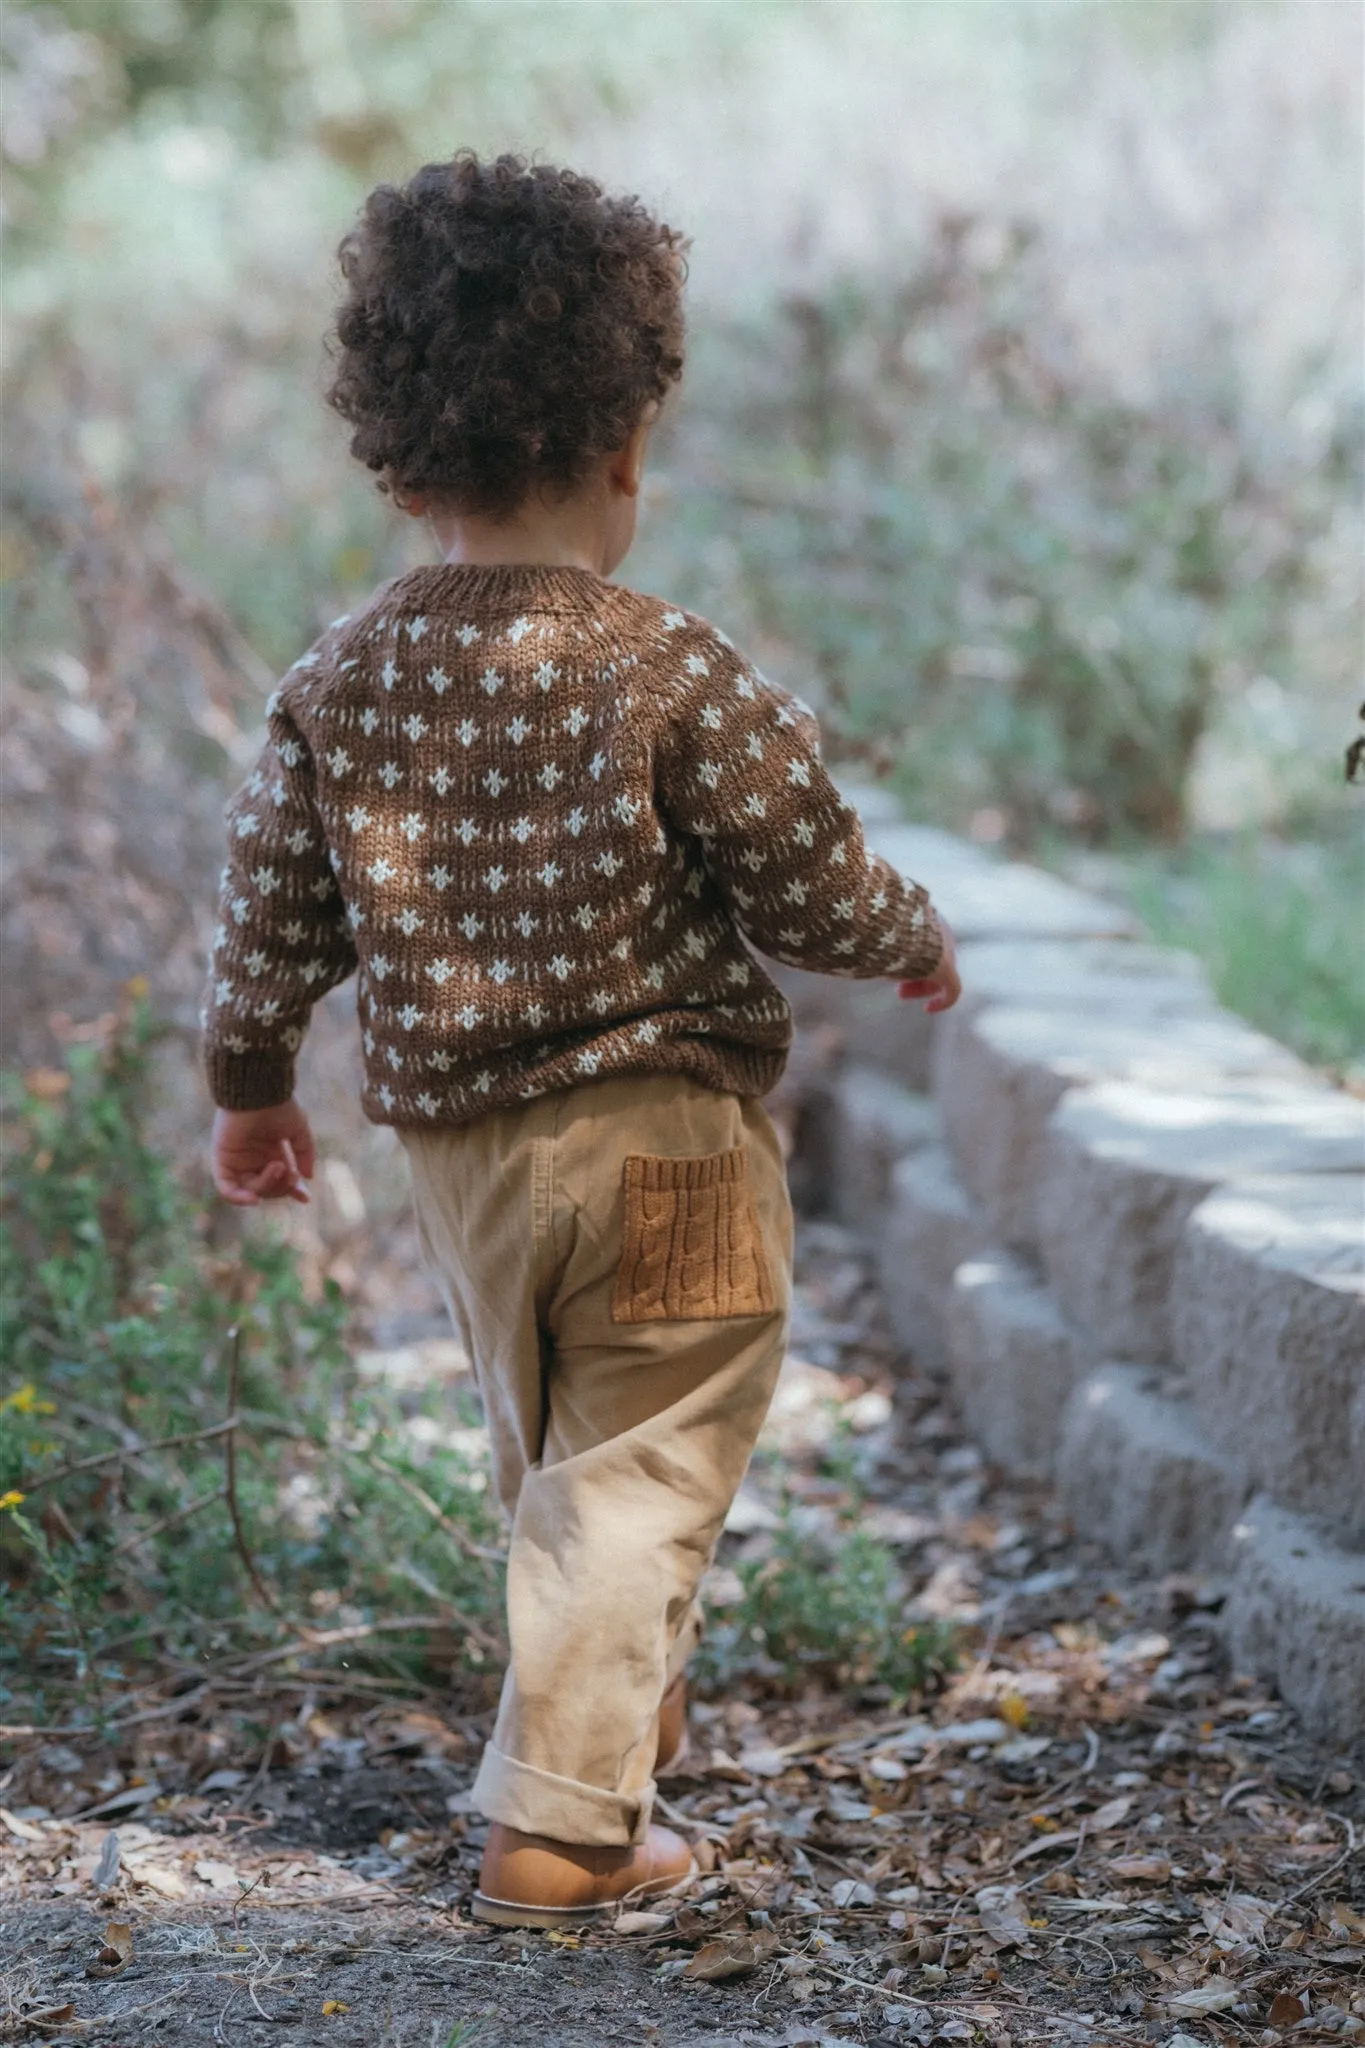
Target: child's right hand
(262,1155)
(943,986)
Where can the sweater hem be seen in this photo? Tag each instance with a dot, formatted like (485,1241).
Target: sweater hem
(726,1069)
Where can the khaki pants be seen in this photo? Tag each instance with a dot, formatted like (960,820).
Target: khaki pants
(617,1260)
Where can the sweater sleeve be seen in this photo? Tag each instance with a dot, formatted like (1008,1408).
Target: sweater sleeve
(739,767)
(282,938)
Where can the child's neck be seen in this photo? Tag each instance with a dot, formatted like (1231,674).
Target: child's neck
(590,528)
(568,535)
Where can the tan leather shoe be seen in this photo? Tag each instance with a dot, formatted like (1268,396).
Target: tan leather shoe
(531,1881)
(674,1744)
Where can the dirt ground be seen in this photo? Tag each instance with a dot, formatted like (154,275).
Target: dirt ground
(1095,1834)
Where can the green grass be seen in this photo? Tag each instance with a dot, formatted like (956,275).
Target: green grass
(1281,929)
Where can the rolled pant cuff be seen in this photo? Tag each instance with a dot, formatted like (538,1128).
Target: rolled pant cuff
(540,1803)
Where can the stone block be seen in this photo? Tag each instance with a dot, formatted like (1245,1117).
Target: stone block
(1013,1361)
(1138,1475)
(1081,976)
(983,898)
(874,1025)
(1124,1165)
(929,1227)
(1268,1323)
(874,1123)
(1000,1072)
(1296,1614)
(871,1022)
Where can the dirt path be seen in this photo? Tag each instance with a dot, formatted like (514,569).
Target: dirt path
(1096,1834)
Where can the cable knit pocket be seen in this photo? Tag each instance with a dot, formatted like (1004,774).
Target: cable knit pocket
(691,1249)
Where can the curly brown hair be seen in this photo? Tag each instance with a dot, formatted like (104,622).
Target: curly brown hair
(505,325)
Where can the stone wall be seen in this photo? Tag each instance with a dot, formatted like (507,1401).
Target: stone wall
(1131,1232)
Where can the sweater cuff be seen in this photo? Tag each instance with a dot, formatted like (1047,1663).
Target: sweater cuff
(924,948)
(248,1080)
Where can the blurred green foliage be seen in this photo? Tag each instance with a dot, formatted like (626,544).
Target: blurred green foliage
(1043,606)
(124,1326)
(1017,592)
(1281,928)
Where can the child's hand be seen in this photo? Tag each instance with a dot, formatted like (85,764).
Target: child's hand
(262,1155)
(942,986)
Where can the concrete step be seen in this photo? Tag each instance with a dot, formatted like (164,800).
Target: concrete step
(1125,1164)
(929,1226)
(1138,1475)
(1296,1614)
(1268,1322)
(1013,1360)
(999,1073)
(875,1122)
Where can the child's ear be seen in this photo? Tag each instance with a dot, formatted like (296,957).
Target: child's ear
(628,464)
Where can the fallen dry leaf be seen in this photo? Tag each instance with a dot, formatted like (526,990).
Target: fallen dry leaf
(1236,1921)
(763,1763)
(1002,1918)
(116,1953)
(24,1829)
(105,1874)
(1112,1815)
(1285,2010)
(50,2016)
(1215,1996)
(1142,1869)
(1062,1838)
(640,1923)
(160,1877)
(734,1955)
(221,1876)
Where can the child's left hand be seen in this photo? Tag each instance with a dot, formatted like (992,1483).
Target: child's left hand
(943,986)
(262,1155)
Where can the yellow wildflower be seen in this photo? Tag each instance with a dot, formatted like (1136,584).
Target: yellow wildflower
(12,1499)
(24,1401)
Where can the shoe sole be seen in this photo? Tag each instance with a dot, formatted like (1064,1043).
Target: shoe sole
(512,1913)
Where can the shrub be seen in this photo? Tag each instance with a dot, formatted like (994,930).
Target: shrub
(141,1533)
(1017,590)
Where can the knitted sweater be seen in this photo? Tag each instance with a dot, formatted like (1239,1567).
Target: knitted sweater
(537,811)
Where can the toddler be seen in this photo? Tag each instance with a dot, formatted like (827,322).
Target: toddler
(544,818)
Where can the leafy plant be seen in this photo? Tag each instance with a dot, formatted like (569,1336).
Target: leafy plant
(825,1602)
(833,1609)
(188,1464)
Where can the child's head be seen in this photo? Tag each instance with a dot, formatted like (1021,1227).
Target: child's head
(506,327)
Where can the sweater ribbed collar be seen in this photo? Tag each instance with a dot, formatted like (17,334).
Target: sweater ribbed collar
(514,586)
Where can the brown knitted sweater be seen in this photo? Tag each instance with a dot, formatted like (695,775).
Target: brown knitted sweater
(537,811)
